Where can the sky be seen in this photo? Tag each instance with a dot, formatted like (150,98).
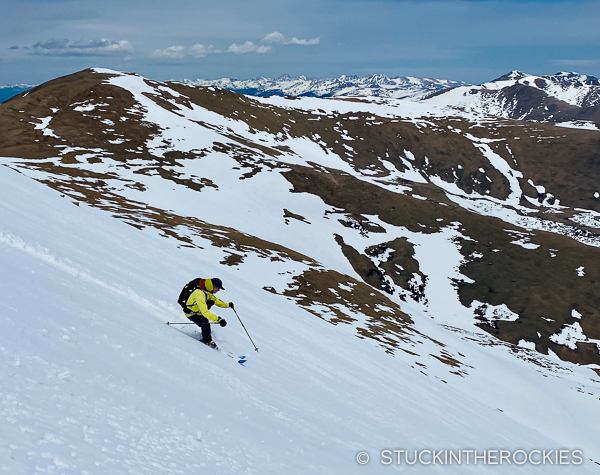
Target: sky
(467,40)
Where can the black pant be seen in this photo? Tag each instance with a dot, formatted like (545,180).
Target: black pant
(204,325)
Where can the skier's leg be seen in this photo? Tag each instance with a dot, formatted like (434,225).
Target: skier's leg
(204,325)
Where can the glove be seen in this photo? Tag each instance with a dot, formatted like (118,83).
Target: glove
(222,322)
(231,306)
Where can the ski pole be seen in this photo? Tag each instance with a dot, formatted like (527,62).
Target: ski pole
(187,323)
(236,314)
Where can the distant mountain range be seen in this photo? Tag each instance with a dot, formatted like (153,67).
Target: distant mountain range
(377,85)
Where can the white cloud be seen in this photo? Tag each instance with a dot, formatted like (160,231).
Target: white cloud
(172,52)
(122,45)
(249,47)
(279,38)
(199,50)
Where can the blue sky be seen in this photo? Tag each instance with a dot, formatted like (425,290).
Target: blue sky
(468,40)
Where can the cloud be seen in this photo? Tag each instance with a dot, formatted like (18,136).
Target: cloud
(178,52)
(279,38)
(249,47)
(172,52)
(85,47)
(122,45)
(102,45)
(54,43)
(199,50)
(13,47)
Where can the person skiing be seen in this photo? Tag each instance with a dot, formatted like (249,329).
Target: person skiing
(198,304)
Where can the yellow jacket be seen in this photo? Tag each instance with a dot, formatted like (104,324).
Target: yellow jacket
(198,304)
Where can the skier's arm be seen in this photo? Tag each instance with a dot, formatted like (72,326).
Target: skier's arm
(220,303)
(197,302)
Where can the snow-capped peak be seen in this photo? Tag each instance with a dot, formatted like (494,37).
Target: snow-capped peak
(519,95)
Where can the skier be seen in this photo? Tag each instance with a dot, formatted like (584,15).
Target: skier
(198,304)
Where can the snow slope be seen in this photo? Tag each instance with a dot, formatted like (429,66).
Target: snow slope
(94,382)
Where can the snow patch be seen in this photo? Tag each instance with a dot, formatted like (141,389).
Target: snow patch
(527,344)
(43,126)
(492,313)
(569,336)
(578,124)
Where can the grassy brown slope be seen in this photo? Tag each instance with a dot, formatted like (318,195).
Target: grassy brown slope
(541,289)
(86,131)
(565,161)
(530,282)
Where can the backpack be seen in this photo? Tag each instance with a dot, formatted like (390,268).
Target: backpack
(186,292)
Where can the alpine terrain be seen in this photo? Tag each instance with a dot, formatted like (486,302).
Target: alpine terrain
(419,276)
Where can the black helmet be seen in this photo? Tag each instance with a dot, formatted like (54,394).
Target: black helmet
(218,283)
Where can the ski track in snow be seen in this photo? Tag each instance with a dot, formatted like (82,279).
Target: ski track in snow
(38,252)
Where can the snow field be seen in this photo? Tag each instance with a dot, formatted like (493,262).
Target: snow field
(94,382)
